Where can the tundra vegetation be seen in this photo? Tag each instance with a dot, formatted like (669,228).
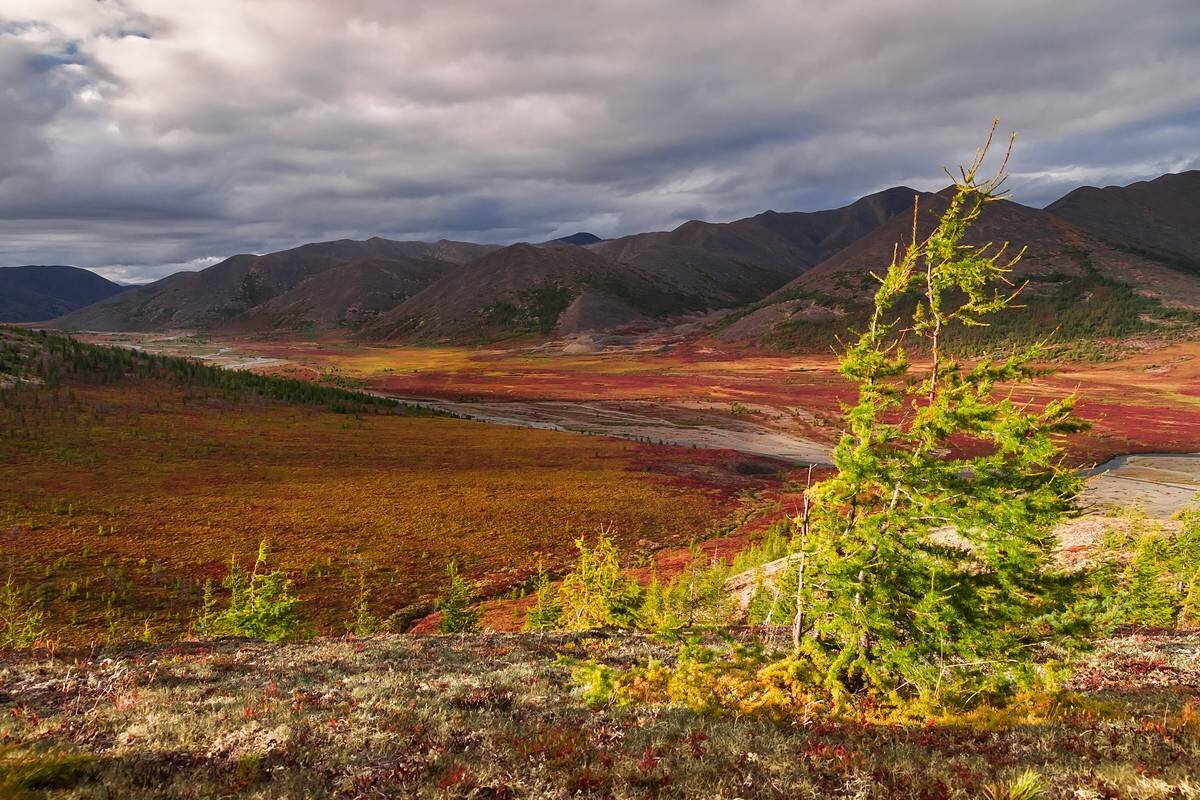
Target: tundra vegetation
(128,480)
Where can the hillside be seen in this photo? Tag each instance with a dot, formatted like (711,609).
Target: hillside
(734,263)
(605,284)
(127,478)
(1103,263)
(1079,285)
(38,293)
(273,290)
(527,289)
(1159,219)
(500,716)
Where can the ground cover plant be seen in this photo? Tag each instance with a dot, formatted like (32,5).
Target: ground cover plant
(501,716)
(120,498)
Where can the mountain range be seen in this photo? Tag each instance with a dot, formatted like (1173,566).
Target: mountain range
(785,276)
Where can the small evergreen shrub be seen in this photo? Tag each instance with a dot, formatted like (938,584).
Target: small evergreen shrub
(22,623)
(1150,598)
(695,598)
(261,604)
(597,593)
(455,604)
(925,564)
(1160,586)
(361,621)
(546,612)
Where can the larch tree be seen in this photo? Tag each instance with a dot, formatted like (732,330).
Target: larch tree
(927,559)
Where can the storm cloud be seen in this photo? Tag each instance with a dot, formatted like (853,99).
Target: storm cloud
(147,136)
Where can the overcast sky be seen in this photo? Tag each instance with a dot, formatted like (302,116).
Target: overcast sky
(140,137)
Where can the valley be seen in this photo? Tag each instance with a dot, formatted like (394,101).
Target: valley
(120,504)
(697,391)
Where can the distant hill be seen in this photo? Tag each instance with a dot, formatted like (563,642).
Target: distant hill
(1079,284)
(321,284)
(38,293)
(734,263)
(581,238)
(1159,218)
(527,289)
(566,289)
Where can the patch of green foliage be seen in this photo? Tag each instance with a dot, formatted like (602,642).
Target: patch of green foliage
(597,593)
(546,611)
(1029,785)
(51,358)
(22,623)
(253,290)
(696,598)
(457,615)
(651,298)
(27,773)
(362,621)
(261,604)
(1159,586)
(534,310)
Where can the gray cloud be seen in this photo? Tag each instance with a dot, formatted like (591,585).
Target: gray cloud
(146,136)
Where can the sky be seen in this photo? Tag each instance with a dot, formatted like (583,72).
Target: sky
(142,137)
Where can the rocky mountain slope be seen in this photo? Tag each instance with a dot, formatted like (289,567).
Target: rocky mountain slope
(289,288)
(37,293)
(1076,279)
(1102,262)
(528,289)
(734,263)
(1159,219)
(606,284)
(448,291)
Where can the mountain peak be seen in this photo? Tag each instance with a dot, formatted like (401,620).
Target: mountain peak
(579,238)
(42,292)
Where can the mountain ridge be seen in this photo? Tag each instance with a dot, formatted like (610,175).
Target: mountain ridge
(770,269)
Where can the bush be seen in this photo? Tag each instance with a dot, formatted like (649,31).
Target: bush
(1160,587)
(261,604)
(455,604)
(1149,597)
(22,623)
(744,680)
(546,612)
(597,593)
(695,598)
(361,622)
